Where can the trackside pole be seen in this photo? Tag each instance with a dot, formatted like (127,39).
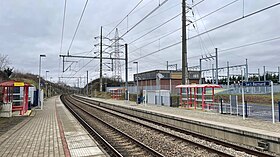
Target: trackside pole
(279,110)
(127,96)
(243,102)
(272,102)
(237,105)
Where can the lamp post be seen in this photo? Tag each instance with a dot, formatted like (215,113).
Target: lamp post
(50,89)
(47,92)
(39,93)
(137,66)
(47,74)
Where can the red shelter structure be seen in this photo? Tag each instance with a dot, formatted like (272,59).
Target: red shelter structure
(194,95)
(116,93)
(8,95)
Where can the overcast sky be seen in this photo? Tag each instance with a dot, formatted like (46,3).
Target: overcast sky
(29,28)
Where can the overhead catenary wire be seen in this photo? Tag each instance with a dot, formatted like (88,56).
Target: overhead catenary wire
(161,12)
(164,23)
(212,12)
(62,33)
(125,17)
(63,26)
(210,30)
(78,25)
(205,28)
(223,51)
(154,41)
(140,21)
(249,44)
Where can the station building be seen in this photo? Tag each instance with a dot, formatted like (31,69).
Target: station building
(171,78)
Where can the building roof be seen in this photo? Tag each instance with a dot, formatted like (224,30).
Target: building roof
(199,86)
(13,83)
(168,74)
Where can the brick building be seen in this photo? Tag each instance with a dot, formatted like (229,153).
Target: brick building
(172,77)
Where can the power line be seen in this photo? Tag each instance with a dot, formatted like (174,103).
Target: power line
(205,28)
(140,21)
(167,47)
(63,25)
(125,17)
(78,25)
(174,31)
(250,44)
(228,4)
(169,20)
(155,28)
(223,51)
(62,33)
(233,21)
(215,28)
(192,21)
(154,14)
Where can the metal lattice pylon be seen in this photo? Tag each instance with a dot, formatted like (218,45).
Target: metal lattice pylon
(116,53)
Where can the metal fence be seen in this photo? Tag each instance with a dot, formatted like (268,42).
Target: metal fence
(236,89)
(133,89)
(255,111)
(233,89)
(157,97)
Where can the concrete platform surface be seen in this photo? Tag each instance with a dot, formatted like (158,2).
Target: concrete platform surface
(38,137)
(79,142)
(231,121)
(249,132)
(52,132)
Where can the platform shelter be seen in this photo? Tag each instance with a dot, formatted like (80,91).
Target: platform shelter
(197,95)
(116,93)
(9,96)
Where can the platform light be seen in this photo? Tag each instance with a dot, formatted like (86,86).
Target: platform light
(39,85)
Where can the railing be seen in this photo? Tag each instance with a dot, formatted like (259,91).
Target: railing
(133,89)
(233,89)
(250,90)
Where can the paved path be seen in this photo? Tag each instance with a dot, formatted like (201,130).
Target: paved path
(79,142)
(52,132)
(37,137)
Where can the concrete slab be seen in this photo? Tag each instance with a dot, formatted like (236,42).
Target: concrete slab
(78,140)
(225,127)
(38,136)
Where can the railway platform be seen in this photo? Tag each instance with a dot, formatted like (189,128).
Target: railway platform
(250,132)
(52,131)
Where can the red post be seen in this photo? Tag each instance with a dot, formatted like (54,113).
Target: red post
(195,98)
(213,95)
(26,98)
(191,97)
(181,97)
(202,103)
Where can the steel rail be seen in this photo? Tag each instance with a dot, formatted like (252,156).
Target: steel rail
(147,148)
(220,153)
(194,134)
(111,150)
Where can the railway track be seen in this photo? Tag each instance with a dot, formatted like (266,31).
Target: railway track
(216,141)
(165,143)
(114,141)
